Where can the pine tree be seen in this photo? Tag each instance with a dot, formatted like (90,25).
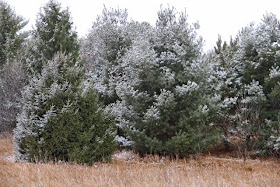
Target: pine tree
(109,39)
(61,118)
(162,107)
(223,85)
(260,58)
(53,33)
(244,78)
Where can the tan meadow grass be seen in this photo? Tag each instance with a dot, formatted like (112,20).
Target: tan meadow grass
(149,171)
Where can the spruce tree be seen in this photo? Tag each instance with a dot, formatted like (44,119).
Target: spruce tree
(61,118)
(53,33)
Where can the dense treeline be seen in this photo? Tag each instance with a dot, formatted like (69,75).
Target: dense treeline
(147,88)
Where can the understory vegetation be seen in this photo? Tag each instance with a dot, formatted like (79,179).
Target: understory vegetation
(128,84)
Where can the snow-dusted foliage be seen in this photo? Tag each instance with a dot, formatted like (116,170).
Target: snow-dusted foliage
(109,39)
(276,144)
(10,37)
(260,56)
(38,105)
(223,85)
(11,82)
(245,82)
(11,66)
(163,108)
(247,113)
(186,88)
(53,33)
(60,118)
(166,96)
(274,72)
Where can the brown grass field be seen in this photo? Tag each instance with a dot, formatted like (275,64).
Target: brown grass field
(207,170)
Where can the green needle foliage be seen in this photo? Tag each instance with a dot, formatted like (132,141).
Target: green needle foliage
(10,38)
(53,33)
(61,118)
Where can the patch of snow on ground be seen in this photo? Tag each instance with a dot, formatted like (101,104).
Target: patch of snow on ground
(125,155)
(10,158)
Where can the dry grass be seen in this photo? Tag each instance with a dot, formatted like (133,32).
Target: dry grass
(150,171)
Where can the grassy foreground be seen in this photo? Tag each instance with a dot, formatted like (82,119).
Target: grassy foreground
(150,171)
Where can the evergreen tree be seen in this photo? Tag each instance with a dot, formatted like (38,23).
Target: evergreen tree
(162,107)
(259,56)
(53,33)
(61,119)
(244,77)
(223,85)
(109,39)
(11,67)
(10,38)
